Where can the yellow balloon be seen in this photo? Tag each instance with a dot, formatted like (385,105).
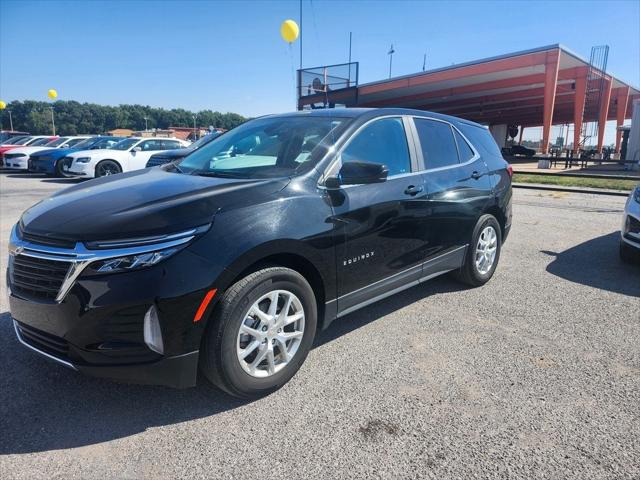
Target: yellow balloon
(52,94)
(2,105)
(289,31)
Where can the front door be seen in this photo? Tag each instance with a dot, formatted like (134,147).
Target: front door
(380,227)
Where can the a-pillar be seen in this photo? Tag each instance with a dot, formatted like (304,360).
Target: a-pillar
(604,111)
(578,108)
(552,64)
(622,99)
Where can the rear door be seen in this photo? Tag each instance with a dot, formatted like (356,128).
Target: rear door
(458,190)
(380,227)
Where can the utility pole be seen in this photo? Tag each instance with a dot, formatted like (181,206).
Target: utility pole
(195,135)
(390,53)
(10,120)
(424,62)
(53,122)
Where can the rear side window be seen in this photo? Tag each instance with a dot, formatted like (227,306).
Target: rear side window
(382,141)
(464,150)
(481,139)
(437,143)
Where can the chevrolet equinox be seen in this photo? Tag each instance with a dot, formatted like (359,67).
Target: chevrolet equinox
(231,260)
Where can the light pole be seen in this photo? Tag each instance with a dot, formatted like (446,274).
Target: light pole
(10,120)
(195,135)
(390,53)
(146,127)
(53,122)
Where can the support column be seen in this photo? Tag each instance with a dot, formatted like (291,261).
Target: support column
(550,84)
(520,137)
(578,109)
(622,99)
(604,111)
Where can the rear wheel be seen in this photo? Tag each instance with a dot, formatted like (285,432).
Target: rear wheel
(483,253)
(107,167)
(261,333)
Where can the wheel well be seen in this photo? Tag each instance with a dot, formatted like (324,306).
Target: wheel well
(109,160)
(496,212)
(295,262)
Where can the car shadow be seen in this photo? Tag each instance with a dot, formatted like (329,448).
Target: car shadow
(45,406)
(596,263)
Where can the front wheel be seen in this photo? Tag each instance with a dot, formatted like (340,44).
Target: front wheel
(261,333)
(483,253)
(107,167)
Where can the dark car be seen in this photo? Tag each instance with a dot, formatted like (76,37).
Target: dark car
(173,155)
(52,160)
(522,150)
(231,260)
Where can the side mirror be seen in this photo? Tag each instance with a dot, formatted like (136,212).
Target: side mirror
(358,173)
(137,149)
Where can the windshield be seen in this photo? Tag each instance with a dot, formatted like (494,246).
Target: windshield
(57,142)
(15,140)
(125,144)
(86,143)
(39,142)
(265,147)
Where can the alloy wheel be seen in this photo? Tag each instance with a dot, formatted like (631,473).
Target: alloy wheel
(486,250)
(270,333)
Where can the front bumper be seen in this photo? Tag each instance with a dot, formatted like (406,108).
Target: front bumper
(81,169)
(17,163)
(42,166)
(97,325)
(630,230)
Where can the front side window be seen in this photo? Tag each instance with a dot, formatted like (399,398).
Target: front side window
(125,144)
(74,141)
(437,143)
(382,141)
(57,142)
(266,147)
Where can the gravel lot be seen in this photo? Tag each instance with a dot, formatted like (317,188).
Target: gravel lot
(535,375)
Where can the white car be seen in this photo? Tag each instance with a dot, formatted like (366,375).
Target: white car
(18,158)
(630,231)
(127,155)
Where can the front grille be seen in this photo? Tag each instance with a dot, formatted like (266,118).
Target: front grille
(56,346)
(155,161)
(37,278)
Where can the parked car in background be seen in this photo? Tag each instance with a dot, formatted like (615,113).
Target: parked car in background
(18,158)
(630,232)
(8,134)
(173,155)
(32,141)
(520,150)
(233,259)
(51,161)
(127,155)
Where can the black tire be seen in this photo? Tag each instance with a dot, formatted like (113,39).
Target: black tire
(107,167)
(628,254)
(219,359)
(469,272)
(59,171)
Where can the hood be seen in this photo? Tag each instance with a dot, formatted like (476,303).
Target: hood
(174,154)
(140,203)
(28,150)
(54,152)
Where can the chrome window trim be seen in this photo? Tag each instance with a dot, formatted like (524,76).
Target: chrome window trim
(475,157)
(41,352)
(80,256)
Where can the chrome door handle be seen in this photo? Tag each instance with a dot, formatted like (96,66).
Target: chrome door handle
(413,190)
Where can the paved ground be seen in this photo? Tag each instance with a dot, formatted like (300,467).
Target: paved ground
(535,375)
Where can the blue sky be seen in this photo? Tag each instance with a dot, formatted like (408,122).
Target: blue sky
(229,56)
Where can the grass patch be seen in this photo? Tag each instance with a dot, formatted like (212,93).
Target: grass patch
(606,183)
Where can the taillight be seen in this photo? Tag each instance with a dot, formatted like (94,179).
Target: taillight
(510,170)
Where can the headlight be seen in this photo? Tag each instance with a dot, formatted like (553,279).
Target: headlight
(132,262)
(83,160)
(636,194)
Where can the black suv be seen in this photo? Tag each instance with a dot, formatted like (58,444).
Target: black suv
(232,259)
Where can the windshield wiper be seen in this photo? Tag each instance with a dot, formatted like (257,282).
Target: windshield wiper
(211,173)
